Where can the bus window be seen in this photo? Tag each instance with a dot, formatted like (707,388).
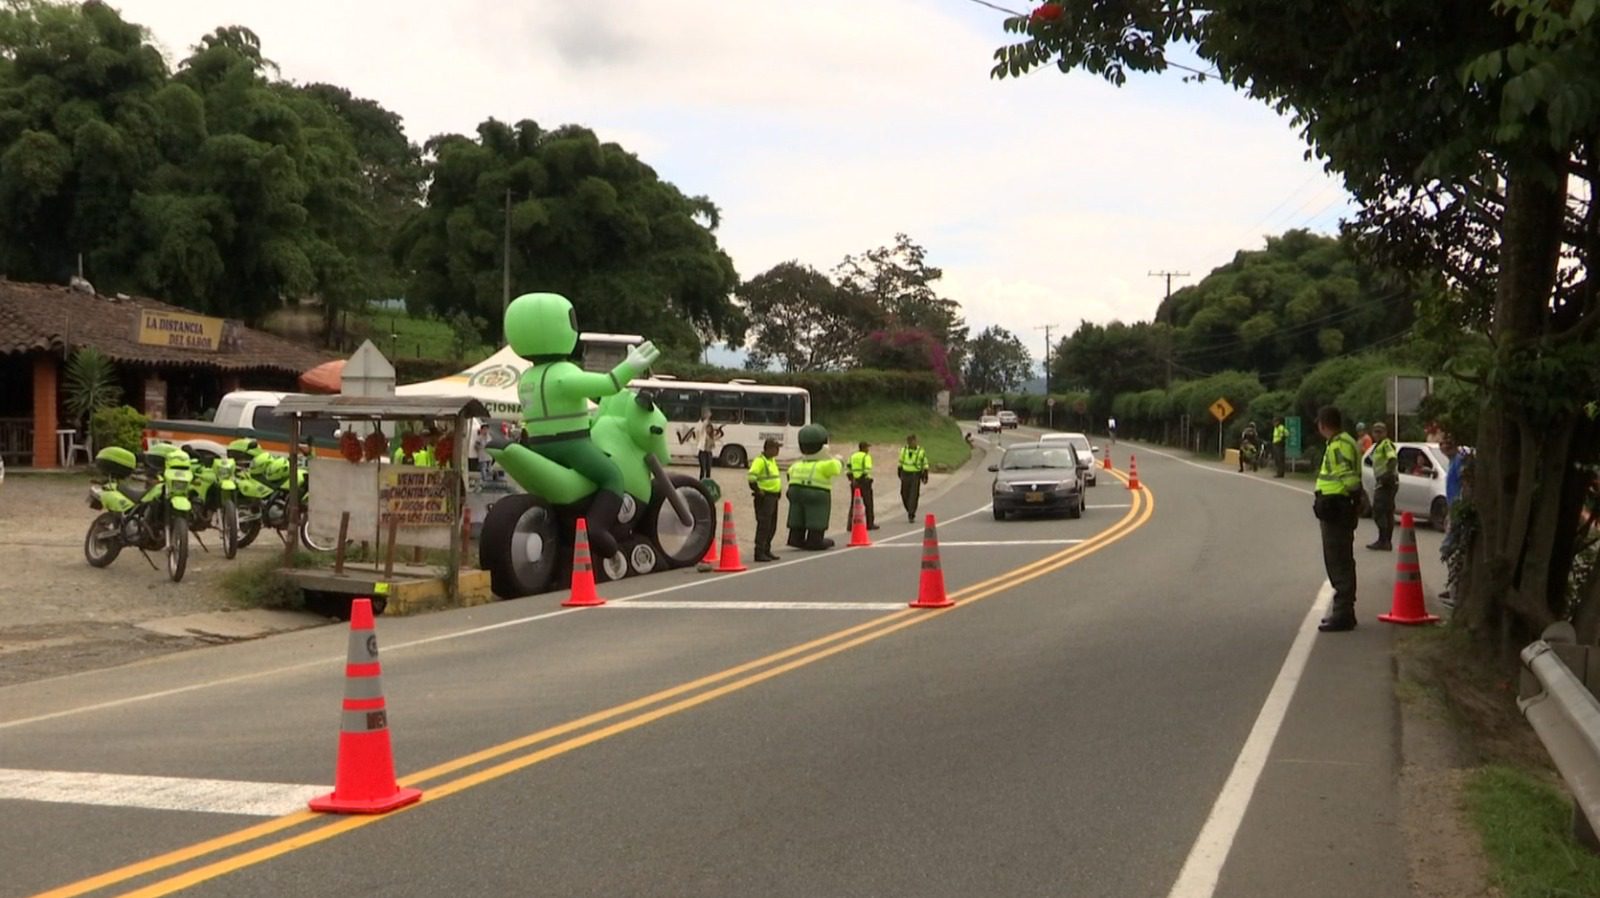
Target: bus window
(680,405)
(602,357)
(724,406)
(800,409)
(766,408)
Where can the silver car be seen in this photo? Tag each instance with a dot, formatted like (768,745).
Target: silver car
(1081,443)
(1422,474)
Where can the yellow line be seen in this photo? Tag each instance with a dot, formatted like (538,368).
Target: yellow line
(965,596)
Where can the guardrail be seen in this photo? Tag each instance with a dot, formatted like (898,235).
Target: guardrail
(1557,695)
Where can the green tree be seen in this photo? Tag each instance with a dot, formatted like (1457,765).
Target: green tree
(1470,133)
(804,321)
(996,362)
(1110,359)
(899,281)
(587,220)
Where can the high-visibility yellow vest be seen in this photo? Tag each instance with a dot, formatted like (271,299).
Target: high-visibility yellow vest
(860,465)
(1383,457)
(764,474)
(816,473)
(1339,475)
(913,461)
(1280,433)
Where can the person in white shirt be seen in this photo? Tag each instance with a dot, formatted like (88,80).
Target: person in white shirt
(707,443)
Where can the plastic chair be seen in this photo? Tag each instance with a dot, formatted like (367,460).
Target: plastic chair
(74,447)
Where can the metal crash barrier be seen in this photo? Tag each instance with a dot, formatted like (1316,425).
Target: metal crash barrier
(1557,695)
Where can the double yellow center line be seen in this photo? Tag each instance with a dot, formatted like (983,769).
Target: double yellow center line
(633,714)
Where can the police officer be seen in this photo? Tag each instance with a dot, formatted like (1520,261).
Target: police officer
(1249,439)
(1338,485)
(1386,465)
(765,486)
(913,474)
(1280,444)
(859,473)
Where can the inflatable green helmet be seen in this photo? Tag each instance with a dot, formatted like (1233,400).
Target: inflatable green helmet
(541,324)
(812,438)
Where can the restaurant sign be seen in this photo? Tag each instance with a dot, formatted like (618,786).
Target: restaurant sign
(179,330)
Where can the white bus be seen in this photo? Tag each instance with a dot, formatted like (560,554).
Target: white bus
(745,414)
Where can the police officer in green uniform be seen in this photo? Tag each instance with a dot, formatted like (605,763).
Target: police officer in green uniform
(1280,444)
(913,474)
(765,485)
(1338,485)
(859,474)
(542,328)
(811,491)
(1386,467)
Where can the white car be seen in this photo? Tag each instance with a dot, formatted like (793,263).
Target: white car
(989,423)
(1422,474)
(1008,419)
(1085,449)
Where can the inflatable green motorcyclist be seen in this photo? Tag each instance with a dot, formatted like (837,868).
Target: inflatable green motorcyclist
(810,490)
(542,328)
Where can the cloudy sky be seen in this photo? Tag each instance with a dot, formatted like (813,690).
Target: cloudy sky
(823,127)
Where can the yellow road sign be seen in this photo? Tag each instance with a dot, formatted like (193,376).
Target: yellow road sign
(1222,409)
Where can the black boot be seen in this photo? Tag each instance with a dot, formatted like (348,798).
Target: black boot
(601,518)
(797,538)
(1338,621)
(816,542)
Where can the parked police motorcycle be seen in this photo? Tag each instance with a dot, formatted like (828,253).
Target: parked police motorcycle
(263,494)
(215,497)
(150,517)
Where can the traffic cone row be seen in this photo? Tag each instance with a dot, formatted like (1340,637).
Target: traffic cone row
(729,562)
(858,522)
(1407,605)
(363,780)
(1133,472)
(583,592)
(930,591)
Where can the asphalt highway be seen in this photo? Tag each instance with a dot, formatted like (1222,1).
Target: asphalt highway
(1130,704)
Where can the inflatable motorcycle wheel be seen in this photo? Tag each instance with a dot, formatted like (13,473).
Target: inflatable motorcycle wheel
(677,545)
(520,546)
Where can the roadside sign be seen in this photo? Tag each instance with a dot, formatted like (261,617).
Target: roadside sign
(1051,402)
(1293,446)
(1222,410)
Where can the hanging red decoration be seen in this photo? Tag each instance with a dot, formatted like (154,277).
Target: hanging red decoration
(1048,12)
(377,445)
(350,446)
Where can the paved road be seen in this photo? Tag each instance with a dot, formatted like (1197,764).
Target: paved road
(1110,694)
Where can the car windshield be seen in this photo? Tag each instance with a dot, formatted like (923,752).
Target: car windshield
(1035,457)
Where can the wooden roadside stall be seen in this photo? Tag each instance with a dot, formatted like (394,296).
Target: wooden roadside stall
(376,501)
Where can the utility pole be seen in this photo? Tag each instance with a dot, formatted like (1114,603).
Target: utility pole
(1050,408)
(1168,275)
(505,257)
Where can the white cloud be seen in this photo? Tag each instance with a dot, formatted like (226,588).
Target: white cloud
(824,128)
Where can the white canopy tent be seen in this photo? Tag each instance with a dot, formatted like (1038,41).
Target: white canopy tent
(493,381)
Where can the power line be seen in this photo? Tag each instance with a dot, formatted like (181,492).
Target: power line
(1009,12)
(1295,329)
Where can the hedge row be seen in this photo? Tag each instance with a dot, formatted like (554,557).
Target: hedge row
(1031,408)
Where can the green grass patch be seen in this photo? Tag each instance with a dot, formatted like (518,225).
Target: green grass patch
(886,424)
(1525,824)
(259,583)
(400,335)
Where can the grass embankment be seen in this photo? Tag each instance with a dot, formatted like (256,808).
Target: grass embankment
(1513,798)
(885,425)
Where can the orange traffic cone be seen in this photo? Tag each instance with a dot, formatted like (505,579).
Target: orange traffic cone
(711,550)
(1133,472)
(1408,606)
(363,780)
(1108,461)
(858,523)
(930,591)
(729,563)
(583,594)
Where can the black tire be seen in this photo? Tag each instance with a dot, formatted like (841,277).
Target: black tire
(675,544)
(607,570)
(734,457)
(1076,511)
(1438,513)
(315,546)
(999,515)
(249,530)
(507,547)
(642,556)
(177,545)
(228,522)
(104,550)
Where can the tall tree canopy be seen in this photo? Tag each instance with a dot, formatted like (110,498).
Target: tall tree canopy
(802,320)
(212,186)
(587,220)
(1470,133)
(996,362)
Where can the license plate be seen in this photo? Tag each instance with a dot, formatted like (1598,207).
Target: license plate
(1035,497)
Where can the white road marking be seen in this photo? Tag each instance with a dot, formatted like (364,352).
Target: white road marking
(1270,481)
(943,544)
(458,634)
(1202,869)
(763,606)
(160,793)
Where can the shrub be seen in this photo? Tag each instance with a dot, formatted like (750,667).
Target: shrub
(118,425)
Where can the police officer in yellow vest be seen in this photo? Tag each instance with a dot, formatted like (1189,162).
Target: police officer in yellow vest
(913,474)
(1280,444)
(1337,508)
(765,485)
(811,490)
(1386,467)
(859,473)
